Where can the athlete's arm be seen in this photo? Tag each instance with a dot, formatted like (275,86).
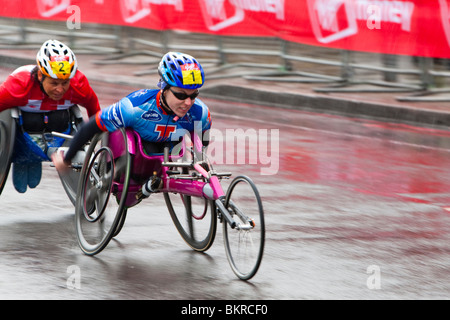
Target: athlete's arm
(13,91)
(86,96)
(86,132)
(91,103)
(5,99)
(206,122)
(108,119)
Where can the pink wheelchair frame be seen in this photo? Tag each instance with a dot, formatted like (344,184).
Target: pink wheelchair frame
(146,165)
(121,185)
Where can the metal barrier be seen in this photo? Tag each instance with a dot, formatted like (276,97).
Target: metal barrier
(346,81)
(422,88)
(26,34)
(230,57)
(429,92)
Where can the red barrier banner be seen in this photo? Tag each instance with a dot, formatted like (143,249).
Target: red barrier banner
(405,27)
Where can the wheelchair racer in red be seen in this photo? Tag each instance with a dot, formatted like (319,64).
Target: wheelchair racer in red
(46,95)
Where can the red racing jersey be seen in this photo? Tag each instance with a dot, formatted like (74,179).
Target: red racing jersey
(21,90)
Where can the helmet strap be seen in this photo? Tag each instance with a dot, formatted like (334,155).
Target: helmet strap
(164,103)
(41,81)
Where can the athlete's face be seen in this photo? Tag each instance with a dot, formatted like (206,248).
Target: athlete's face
(55,88)
(180,100)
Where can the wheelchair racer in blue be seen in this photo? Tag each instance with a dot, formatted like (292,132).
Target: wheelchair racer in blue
(158,115)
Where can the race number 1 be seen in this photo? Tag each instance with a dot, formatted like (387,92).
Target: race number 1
(191,74)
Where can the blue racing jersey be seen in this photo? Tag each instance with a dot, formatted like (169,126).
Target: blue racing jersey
(141,110)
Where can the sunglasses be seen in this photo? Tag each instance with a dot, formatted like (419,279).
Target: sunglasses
(184,96)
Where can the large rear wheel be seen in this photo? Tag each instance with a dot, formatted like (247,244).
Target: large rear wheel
(195,219)
(7,138)
(102,191)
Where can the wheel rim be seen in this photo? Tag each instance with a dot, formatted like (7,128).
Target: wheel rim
(244,244)
(95,229)
(196,226)
(98,185)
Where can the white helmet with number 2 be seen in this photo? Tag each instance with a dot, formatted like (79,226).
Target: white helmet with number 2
(56,60)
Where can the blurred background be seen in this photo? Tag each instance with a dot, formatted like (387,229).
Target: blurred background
(335,46)
(359,93)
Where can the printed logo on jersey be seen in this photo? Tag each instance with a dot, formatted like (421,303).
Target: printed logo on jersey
(164,131)
(151,115)
(138,93)
(115,116)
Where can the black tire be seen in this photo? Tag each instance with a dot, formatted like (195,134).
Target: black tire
(195,219)
(7,138)
(102,191)
(244,244)
(121,223)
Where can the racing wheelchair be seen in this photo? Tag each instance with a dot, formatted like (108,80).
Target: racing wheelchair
(18,132)
(115,168)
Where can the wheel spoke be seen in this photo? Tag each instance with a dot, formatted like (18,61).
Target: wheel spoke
(104,215)
(195,223)
(244,244)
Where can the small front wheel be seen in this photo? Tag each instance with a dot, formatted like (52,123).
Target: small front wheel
(244,244)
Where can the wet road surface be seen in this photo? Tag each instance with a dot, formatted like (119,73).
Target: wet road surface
(355,209)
